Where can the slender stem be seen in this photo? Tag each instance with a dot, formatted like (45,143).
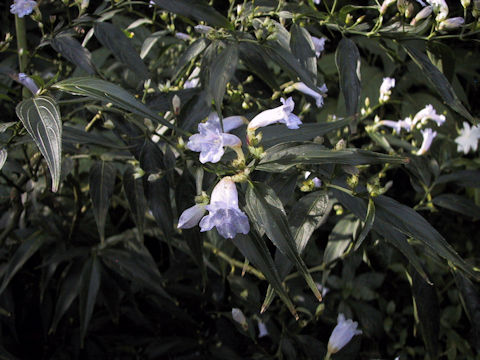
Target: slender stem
(21,43)
(327,357)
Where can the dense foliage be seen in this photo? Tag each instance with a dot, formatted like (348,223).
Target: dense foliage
(190,179)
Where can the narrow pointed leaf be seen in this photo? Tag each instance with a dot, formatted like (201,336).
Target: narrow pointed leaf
(74,52)
(458,203)
(302,47)
(471,303)
(368,224)
(90,284)
(122,48)
(195,49)
(222,70)
(41,117)
(102,182)
(347,58)
(265,207)
(136,199)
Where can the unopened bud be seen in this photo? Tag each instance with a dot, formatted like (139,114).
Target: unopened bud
(348,19)
(341,145)
(176,103)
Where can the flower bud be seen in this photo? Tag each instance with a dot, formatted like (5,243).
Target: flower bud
(451,24)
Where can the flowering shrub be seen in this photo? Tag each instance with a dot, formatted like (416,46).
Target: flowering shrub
(263,179)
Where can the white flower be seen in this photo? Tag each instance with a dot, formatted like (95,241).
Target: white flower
(428,113)
(385,89)
(191,216)
(422,14)
(210,141)
(28,83)
(440,8)
(239,317)
(319,44)
(22,7)
(317,2)
(182,36)
(428,136)
(193,79)
(282,114)
(468,138)
(232,122)
(203,29)
(317,95)
(342,334)
(421,2)
(451,24)
(224,212)
(398,125)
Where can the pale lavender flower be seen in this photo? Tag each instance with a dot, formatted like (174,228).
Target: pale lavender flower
(22,7)
(224,213)
(422,14)
(451,24)
(317,95)
(468,138)
(182,36)
(428,136)
(239,317)
(282,114)
(342,334)
(440,8)
(151,3)
(385,89)
(203,29)
(317,183)
(210,141)
(28,82)
(323,289)
(428,113)
(232,122)
(421,2)
(316,2)
(319,44)
(191,216)
(262,329)
(193,83)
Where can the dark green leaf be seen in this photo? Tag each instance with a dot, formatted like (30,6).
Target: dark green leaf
(74,52)
(115,40)
(339,239)
(466,178)
(368,224)
(439,81)
(41,117)
(458,203)
(136,199)
(471,303)
(195,110)
(102,183)
(196,9)
(195,49)
(3,157)
(253,57)
(264,206)
(347,59)
(90,284)
(20,257)
(302,47)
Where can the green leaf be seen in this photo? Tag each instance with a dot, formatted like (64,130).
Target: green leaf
(256,251)
(5,126)
(20,257)
(115,40)
(102,183)
(41,117)
(283,156)
(253,57)
(458,203)
(90,284)
(339,239)
(465,178)
(439,81)
(470,299)
(368,224)
(3,157)
(266,209)
(105,91)
(303,49)
(276,134)
(347,58)
(74,52)
(427,312)
(195,49)
(196,9)
(136,199)
(221,72)
(150,41)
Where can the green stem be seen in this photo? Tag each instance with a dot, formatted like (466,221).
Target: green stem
(21,43)
(327,357)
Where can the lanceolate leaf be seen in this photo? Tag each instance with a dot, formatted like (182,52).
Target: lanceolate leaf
(195,49)
(105,91)
(223,68)
(264,207)
(347,59)
(459,204)
(102,182)
(90,284)
(282,157)
(302,47)
(115,40)
(370,218)
(74,52)
(41,117)
(136,199)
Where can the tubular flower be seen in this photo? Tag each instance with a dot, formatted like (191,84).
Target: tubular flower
(428,136)
(317,95)
(22,7)
(406,124)
(203,29)
(422,14)
(224,212)
(440,8)
(385,89)
(428,113)
(282,114)
(210,141)
(191,216)
(342,334)
(451,24)
(182,36)
(28,82)
(385,5)
(468,138)
(239,317)
(319,44)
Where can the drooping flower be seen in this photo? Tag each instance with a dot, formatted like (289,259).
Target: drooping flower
(468,138)
(239,317)
(317,95)
(428,136)
(319,44)
(224,213)
(422,14)
(282,114)
(342,334)
(385,89)
(210,141)
(451,24)
(22,7)
(191,216)
(28,82)
(428,113)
